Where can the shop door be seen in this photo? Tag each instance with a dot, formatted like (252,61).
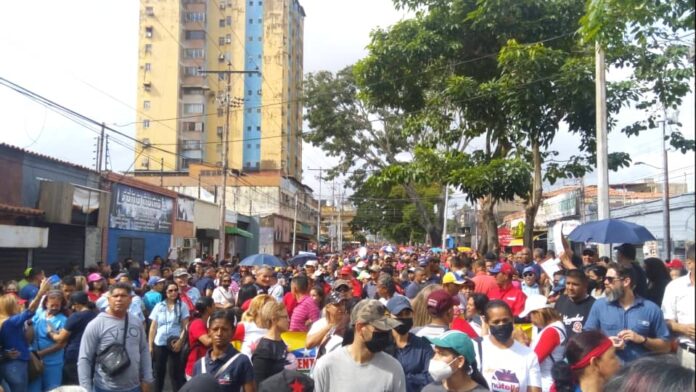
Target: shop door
(131,247)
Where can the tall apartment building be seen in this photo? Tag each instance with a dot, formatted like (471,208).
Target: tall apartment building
(182,111)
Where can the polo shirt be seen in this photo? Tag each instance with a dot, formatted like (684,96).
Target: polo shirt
(306,309)
(238,373)
(512,296)
(643,317)
(678,303)
(415,357)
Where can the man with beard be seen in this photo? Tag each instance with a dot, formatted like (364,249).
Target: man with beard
(634,324)
(362,365)
(222,296)
(576,303)
(412,352)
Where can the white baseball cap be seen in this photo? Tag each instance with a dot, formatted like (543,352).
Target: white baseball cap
(534,302)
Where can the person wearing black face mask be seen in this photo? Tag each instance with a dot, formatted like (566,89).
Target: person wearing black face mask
(506,364)
(361,365)
(412,352)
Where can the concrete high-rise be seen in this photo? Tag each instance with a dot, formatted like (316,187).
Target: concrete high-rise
(183,111)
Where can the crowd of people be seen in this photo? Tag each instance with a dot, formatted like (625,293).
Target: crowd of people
(378,320)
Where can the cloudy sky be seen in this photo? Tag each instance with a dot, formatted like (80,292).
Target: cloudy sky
(83,55)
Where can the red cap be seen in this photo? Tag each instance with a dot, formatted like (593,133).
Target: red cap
(675,264)
(346,270)
(504,268)
(439,301)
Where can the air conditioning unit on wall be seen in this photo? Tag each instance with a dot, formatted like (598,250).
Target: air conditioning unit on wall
(190,243)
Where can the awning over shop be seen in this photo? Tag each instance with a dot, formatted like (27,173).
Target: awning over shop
(237,231)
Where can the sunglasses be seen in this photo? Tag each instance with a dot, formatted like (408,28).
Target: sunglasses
(611,279)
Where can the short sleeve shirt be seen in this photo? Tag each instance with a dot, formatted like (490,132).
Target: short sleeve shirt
(41,338)
(169,321)
(76,324)
(511,369)
(678,302)
(196,330)
(232,378)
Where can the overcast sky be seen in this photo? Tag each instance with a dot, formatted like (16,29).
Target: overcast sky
(83,55)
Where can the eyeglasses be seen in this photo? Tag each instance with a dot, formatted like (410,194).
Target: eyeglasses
(611,279)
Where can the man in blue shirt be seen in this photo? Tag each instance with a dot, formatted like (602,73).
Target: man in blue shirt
(34,278)
(413,353)
(635,324)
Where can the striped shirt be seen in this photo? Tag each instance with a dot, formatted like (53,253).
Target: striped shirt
(306,309)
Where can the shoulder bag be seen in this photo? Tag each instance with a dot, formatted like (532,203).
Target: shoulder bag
(114,359)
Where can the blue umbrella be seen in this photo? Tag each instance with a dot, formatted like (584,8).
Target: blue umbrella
(611,231)
(436,250)
(302,258)
(262,259)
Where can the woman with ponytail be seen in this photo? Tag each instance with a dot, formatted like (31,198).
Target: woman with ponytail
(591,362)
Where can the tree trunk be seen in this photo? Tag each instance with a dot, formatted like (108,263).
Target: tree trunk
(488,227)
(434,231)
(534,201)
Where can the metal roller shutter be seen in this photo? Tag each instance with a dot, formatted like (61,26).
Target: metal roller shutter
(66,246)
(13,262)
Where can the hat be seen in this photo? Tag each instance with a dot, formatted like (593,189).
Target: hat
(197,260)
(457,341)
(440,300)
(588,252)
(412,269)
(560,286)
(504,268)
(451,277)
(397,304)
(27,272)
(346,270)
(201,382)
(422,262)
(363,275)
(78,297)
(627,250)
(154,280)
(675,264)
(286,381)
(534,302)
(374,268)
(311,263)
(94,277)
(180,272)
(340,282)
(334,298)
(372,312)
(528,269)
(490,256)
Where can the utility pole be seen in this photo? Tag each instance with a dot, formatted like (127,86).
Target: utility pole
(100,148)
(444,219)
(667,237)
(340,222)
(333,213)
(602,148)
(319,216)
(225,150)
(582,199)
(294,227)
(161,172)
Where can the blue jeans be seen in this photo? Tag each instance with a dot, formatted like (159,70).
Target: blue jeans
(14,372)
(51,378)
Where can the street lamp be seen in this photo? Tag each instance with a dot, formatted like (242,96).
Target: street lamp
(671,118)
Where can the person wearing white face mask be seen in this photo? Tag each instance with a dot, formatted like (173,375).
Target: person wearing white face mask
(453,367)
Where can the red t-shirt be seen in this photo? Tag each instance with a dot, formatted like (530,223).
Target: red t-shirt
(484,283)
(357,288)
(197,329)
(290,303)
(512,296)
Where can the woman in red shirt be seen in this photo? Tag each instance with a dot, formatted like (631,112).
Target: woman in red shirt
(199,341)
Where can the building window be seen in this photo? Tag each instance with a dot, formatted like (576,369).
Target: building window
(249,128)
(251,21)
(148,31)
(197,17)
(219,130)
(221,41)
(251,3)
(194,53)
(220,112)
(248,110)
(258,110)
(149,11)
(251,39)
(221,23)
(260,20)
(228,20)
(248,92)
(258,146)
(228,38)
(146,104)
(195,34)
(260,2)
(190,71)
(148,48)
(260,38)
(258,129)
(190,108)
(148,67)
(146,123)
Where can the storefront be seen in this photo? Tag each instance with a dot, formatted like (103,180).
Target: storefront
(140,222)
